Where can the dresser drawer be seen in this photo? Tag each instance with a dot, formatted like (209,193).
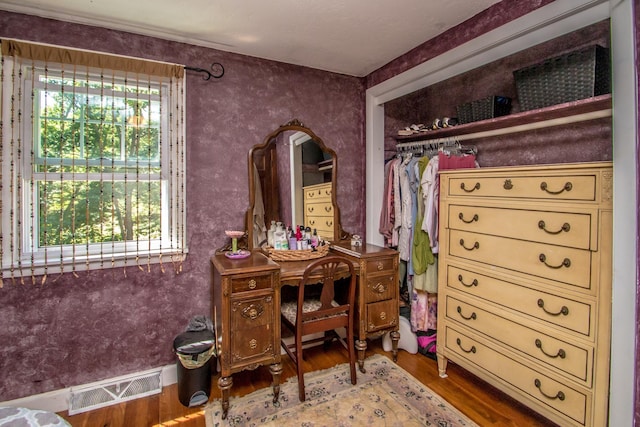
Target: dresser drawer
(380,265)
(380,288)
(573,315)
(557,228)
(319,209)
(251,283)
(547,187)
(566,265)
(571,359)
(382,315)
(252,345)
(323,225)
(318,192)
(552,393)
(248,313)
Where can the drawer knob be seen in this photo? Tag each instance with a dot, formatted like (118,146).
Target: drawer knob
(567,187)
(461,216)
(253,344)
(379,288)
(471,350)
(380,266)
(252,312)
(472,189)
(565,227)
(564,310)
(474,283)
(559,395)
(508,185)
(252,284)
(561,353)
(472,317)
(565,263)
(383,315)
(476,245)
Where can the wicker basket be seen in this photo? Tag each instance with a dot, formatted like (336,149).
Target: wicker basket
(576,75)
(298,254)
(483,109)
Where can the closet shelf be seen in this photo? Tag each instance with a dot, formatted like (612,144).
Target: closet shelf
(570,112)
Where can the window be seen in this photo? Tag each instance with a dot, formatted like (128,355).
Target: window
(96,161)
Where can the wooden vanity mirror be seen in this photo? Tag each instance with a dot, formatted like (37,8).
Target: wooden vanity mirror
(291,165)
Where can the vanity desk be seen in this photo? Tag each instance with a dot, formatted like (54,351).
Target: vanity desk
(246,301)
(246,292)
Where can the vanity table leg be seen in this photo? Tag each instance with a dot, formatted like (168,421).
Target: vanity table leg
(361,347)
(225,384)
(395,337)
(276,370)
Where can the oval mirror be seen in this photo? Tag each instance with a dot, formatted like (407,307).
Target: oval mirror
(292,179)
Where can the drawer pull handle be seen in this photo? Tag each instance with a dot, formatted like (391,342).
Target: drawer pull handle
(383,315)
(476,245)
(565,227)
(461,216)
(329,223)
(565,263)
(474,283)
(253,344)
(327,209)
(559,395)
(380,288)
(567,187)
(471,350)
(474,188)
(472,317)
(312,221)
(310,208)
(561,353)
(564,310)
(380,266)
(252,284)
(252,312)
(508,185)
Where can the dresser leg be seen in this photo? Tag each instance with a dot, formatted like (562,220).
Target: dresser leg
(361,347)
(276,370)
(225,384)
(442,366)
(395,337)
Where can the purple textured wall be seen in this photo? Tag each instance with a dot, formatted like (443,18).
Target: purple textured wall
(72,331)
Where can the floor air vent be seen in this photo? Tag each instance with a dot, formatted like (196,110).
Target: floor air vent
(114,391)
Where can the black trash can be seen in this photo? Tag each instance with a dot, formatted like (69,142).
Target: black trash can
(196,351)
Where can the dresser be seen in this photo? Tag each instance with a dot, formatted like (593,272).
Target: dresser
(318,209)
(246,301)
(524,285)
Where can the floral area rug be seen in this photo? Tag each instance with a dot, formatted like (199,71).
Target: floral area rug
(386,395)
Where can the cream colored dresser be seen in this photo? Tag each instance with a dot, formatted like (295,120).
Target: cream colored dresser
(525,284)
(318,209)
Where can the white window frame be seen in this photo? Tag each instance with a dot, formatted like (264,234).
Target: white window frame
(22,254)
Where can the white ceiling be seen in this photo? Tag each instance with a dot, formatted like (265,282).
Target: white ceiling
(353,37)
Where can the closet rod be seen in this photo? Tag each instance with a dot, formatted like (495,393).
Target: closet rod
(517,128)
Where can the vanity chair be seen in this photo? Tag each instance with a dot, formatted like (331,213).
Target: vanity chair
(312,314)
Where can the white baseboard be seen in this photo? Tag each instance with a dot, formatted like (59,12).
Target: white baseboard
(58,400)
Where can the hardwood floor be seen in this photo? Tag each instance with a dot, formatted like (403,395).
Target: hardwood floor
(479,401)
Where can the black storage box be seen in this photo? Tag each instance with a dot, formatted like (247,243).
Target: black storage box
(483,109)
(195,351)
(576,75)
